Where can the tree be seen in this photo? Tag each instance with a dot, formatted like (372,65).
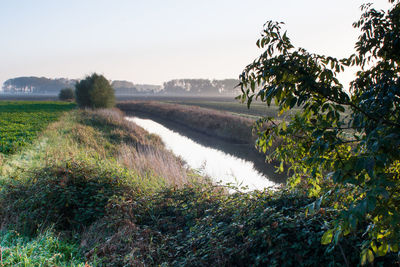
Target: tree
(94,91)
(66,94)
(348,140)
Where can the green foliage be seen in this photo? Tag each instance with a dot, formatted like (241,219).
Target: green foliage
(66,94)
(70,197)
(94,91)
(351,138)
(22,121)
(44,250)
(202,226)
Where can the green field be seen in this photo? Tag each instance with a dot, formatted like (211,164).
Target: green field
(21,121)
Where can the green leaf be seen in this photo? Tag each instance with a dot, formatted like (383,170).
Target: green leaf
(383,249)
(370,256)
(363,258)
(281,167)
(394,248)
(327,237)
(283,125)
(374,247)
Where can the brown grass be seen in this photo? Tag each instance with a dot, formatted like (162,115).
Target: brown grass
(148,161)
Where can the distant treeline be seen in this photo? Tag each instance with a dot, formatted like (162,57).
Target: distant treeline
(195,87)
(200,87)
(37,85)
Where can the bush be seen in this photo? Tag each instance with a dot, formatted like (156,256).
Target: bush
(67,197)
(202,226)
(94,91)
(66,94)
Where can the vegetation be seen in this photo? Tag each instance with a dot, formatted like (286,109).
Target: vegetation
(36,85)
(178,87)
(202,226)
(229,105)
(103,157)
(66,94)
(21,122)
(94,91)
(116,197)
(45,250)
(200,87)
(350,139)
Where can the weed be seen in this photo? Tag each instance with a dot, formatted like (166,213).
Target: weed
(44,250)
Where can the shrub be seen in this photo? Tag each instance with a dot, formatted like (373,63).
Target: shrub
(202,226)
(68,197)
(66,94)
(94,91)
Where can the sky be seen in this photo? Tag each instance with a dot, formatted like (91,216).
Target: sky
(154,41)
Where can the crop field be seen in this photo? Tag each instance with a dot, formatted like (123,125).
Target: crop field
(21,121)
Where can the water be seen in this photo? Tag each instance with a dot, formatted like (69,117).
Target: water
(218,165)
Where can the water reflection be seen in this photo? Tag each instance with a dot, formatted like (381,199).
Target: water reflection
(215,163)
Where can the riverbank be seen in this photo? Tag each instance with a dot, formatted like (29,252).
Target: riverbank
(95,189)
(215,123)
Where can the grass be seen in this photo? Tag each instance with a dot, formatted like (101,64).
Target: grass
(47,249)
(257,110)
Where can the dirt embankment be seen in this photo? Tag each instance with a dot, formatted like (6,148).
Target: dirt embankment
(211,122)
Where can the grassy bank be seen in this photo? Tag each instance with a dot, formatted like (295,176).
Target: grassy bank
(96,189)
(208,121)
(258,109)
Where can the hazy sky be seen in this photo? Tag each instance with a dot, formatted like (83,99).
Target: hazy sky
(152,41)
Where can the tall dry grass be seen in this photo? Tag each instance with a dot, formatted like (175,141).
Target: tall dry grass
(148,161)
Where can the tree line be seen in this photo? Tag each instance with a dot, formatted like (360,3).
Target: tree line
(195,87)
